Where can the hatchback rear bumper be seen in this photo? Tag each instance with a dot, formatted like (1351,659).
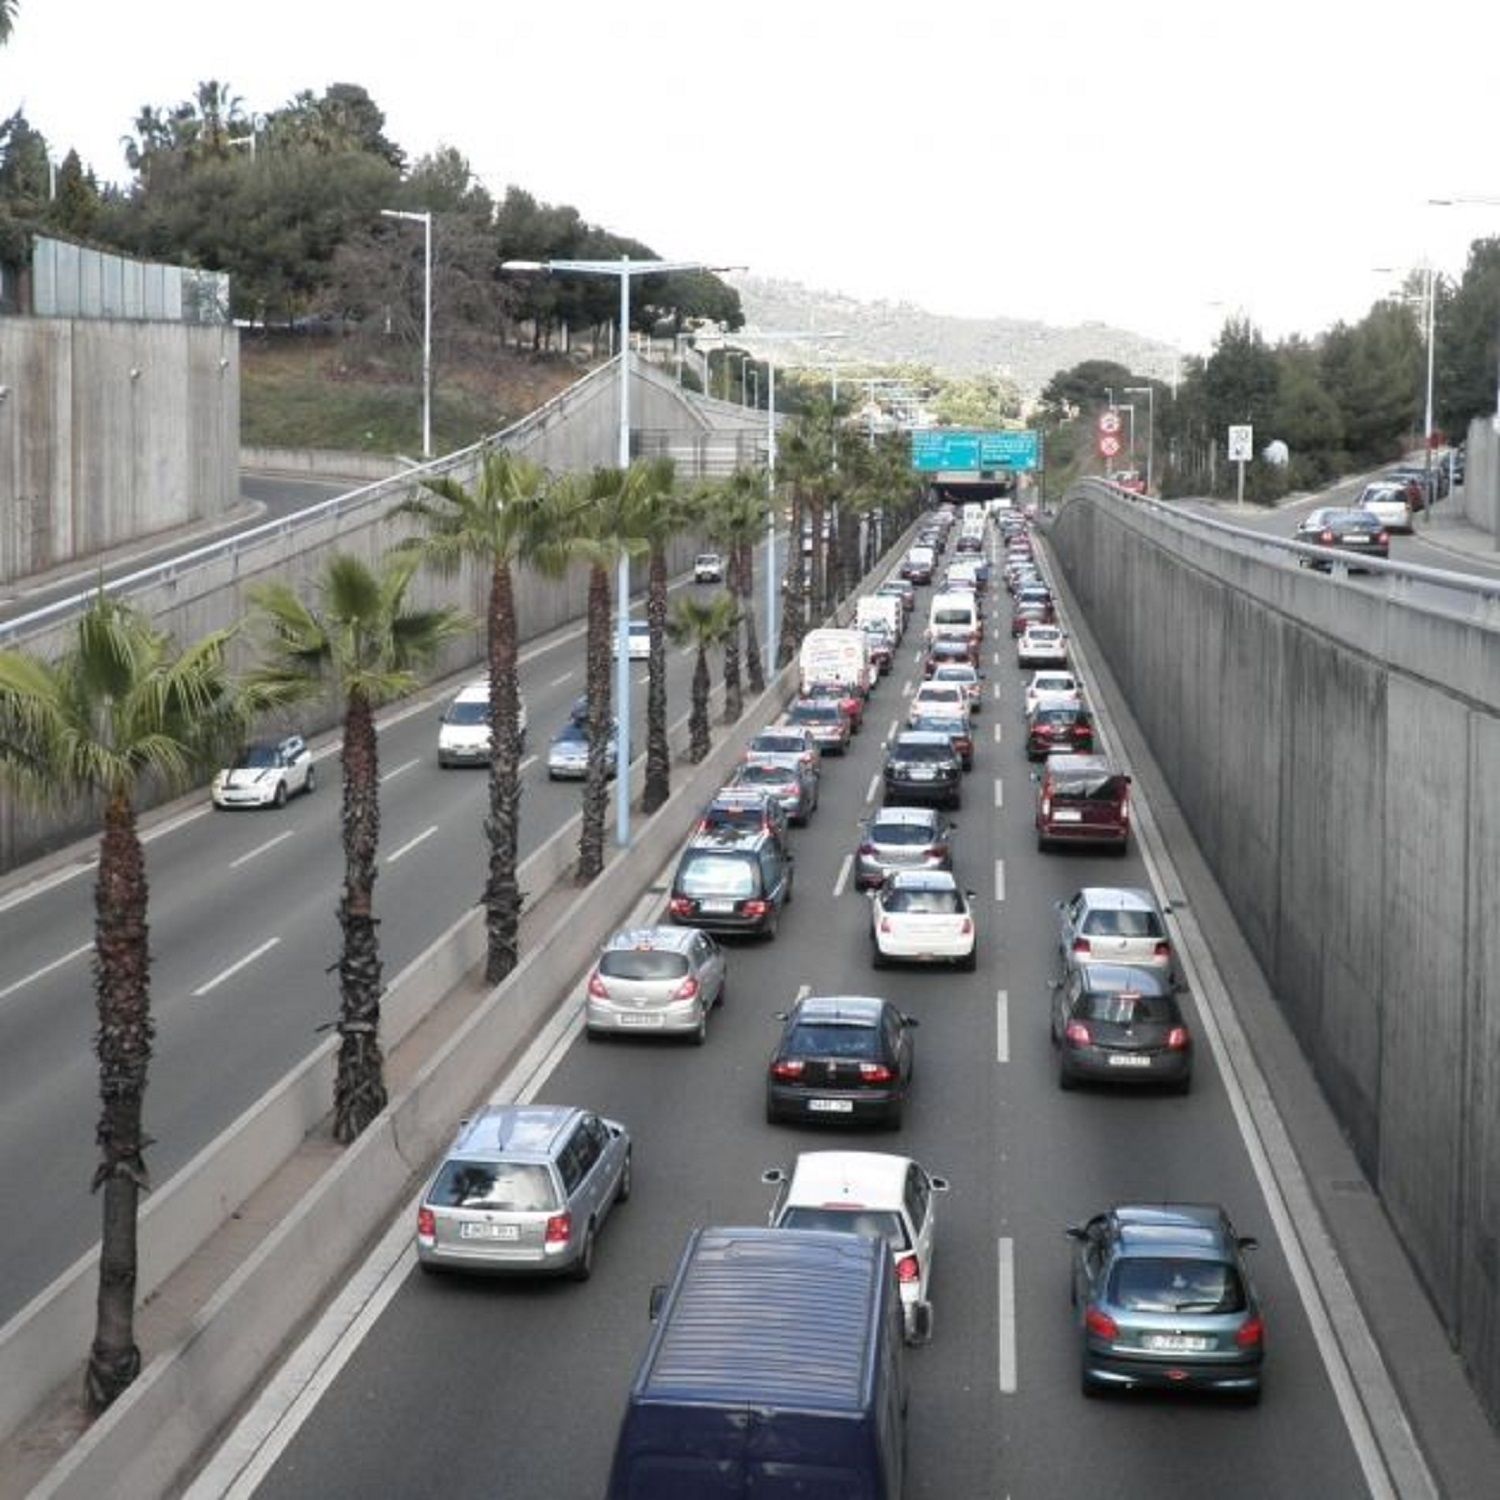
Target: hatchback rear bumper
(1106,1371)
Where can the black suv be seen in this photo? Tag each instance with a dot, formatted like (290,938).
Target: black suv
(842,1058)
(921,766)
(731,881)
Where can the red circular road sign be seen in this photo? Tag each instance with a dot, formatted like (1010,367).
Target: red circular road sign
(1109,445)
(1109,423)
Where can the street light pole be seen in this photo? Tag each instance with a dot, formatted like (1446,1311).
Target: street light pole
(1150,394)
(425,219)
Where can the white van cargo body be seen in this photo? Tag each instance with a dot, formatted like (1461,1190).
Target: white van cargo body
(841,656)
(953,615)
(883,608)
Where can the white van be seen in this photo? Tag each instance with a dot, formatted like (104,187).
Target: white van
(841,656)
(884,609)
(953,615)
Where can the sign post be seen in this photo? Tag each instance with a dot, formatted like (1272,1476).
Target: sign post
(1109,442)
(1241,450)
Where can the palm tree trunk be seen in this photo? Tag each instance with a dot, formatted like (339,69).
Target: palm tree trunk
(596,684)
(734,696)
(790,641)
(658,753)
(755,673)
(502,889)
(122,990)
(817,595)
(359,1089)
(698,738)
(848,551)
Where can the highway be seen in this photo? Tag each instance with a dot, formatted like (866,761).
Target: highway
(490,1387)
(243,930)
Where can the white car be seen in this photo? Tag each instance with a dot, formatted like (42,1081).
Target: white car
(639,636)
(970,679)
(922,916)
(939,697)
(1388,503)
(464,729)
(870,1193)
(1052,688)
(708,567)
(265,773)
(1041,646)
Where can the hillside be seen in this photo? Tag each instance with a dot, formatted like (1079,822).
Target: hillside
(902,333)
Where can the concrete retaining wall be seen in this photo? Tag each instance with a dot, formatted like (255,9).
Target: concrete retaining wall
(1479,496)
(1337,754)
(320,463)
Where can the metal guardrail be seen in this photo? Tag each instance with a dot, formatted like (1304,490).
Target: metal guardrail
(1482,590)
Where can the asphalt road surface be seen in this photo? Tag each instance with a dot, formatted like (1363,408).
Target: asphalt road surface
(488,1387)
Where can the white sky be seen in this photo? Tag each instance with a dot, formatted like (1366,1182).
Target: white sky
(1134,162)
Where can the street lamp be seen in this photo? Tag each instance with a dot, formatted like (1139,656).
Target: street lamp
(623,268)
(425,219)
(1429,329)
(1150,393)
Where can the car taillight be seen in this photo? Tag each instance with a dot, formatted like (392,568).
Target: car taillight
(559,1229)
(757,908)
(1382,538)
(426,1224)
(1326,537)
(875,1073)
(885,924)
(1078,1034)
(867,849)
(936,851)
(907,1270)
(1081,945)
(687,990)
(965,927)
(1100,1324)
(1162,950)
(790,1068)
(597,987)
(683,906)
(1046,807)
(1177,1038)
(1250,1335)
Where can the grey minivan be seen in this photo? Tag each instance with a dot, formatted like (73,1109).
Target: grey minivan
(524,1188)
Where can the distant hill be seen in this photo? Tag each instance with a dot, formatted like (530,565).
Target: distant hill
(1030,353)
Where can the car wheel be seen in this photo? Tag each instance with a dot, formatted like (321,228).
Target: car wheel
(893,1119)
(592,1034)
(773,1115)
(622,1191)
(280,798)
(773,926)
(583,1267)
(969,962)
(1183,1085)
(1087,1386)
(1041,843)
(311,784)
(878,960)
(700,1031)
(1066,1081)
(1250,1397)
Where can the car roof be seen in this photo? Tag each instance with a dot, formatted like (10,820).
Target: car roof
(922,737)
(852,1010)
(514,1130)
(1115,978)
(1183,1229)
(1119,898)
(914,816)
(470,691)
(830,1179)
(728,841)
(1081,765)
(923,880)
(741,796)
(677,939)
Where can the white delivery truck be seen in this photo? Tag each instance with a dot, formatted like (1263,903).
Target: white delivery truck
(884,608)
(841,656)
(953,615)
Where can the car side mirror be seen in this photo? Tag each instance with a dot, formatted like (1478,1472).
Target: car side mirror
(780,1015)
(658,1296)
(1248,1242)
(971,895)
(1076,1232)
(773,1176)
(1054,984)
(939,1184)
(910,1021)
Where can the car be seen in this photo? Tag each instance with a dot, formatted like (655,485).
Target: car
(1030,612)
(825,720)
(1082,799)
(964,675)
(1114,1023)
(923,767)
(1164,1301)
(922,916)
(1064,726)
(957,725)
(1359,530)
(733,882)
(904,590)
(1041,644)
(788,786)
(1050,686)
(950,650)
(568,754)
(881,1196)
(841,1058)
(661,980)
(1417,480)
(524,1188)
(264,773)
(882,646)
(916,566)
(848,698)
(708,567)
(1113,925)
(638,636)
(1389,503)
(939,697)
(464,730)
(785,743)
(747,807)
(902,838)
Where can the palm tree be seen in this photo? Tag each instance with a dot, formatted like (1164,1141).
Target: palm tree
(737,517)
(8,9)
(121,709)
(502,521)
(364,642)
(702,624)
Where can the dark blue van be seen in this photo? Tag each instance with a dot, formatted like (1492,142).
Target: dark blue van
(774,1370)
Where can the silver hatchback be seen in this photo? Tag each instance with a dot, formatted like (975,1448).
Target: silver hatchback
(1108,925)
(902,838)
(657,980)
(524,1188)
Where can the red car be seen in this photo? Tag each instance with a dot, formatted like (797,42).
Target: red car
(1059,727)
(847,698)
(1082,799)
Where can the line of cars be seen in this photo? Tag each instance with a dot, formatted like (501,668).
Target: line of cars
(1386,505)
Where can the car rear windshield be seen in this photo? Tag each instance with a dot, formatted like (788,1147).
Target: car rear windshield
(816,713)
(467,711)
(954,674)
(779,744)
(763,773)
(713,873)
(486,1184)
(743,819)
(833,1039)
(1124,1008)
(642,963)
(901,833)
(922,752)
(952,616)
(1148,1284)
(1129,923)
(872,1223)
(1087,786)
(924,903)
(1058,714)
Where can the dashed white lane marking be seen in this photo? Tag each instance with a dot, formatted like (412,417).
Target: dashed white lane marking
(271,843)
(999,792)
(56,963)
(235,968)
(906,690)
(1002,1026)
(1007,1316)
(410,844)
(405,765)
(891,733)
(999,880)
(843,880)
(558,681)
(873,787)
(529,761)
(997,692)
(997,732)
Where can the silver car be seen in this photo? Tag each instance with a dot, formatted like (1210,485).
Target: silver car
(568,754)
(661,980)
(1109,925)
(902,838)
(783,778)
(524,1188)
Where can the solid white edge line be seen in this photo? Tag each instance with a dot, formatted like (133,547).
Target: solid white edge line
(999,880)
(843,880)
(45,969)
(410,844)
(235,968)
(1007,1290)
(270,843)
(1002,1026)
(405,765)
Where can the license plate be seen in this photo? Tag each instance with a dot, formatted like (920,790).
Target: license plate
(923,775)
(1129,1060)
(488,1232)
(1177,1343)
(1356,541)
(831,1106)
(1067,815)
(716,906)
(641,1020)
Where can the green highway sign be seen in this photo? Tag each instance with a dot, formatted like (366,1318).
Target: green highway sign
(947,450)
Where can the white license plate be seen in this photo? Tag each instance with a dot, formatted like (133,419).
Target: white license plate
(1129,1060)
(923,775)
(831,1106)
(646,1019)
(489,1232)
(1356,541)
(1177,1343)
(1067,815)
(716,906)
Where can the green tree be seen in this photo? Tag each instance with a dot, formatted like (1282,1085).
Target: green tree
(120,710)
(1305,416)
(505,519)
(8,10)
(24,172)
(1375,370)
(1239,379)
(1086,385)
(362,641)
(737,520)
(701,625)
(1468,340)
(75,210)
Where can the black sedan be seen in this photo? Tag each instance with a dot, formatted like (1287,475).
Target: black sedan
(1114,1023)
(841,1058)
(1346,530)
(921,766)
